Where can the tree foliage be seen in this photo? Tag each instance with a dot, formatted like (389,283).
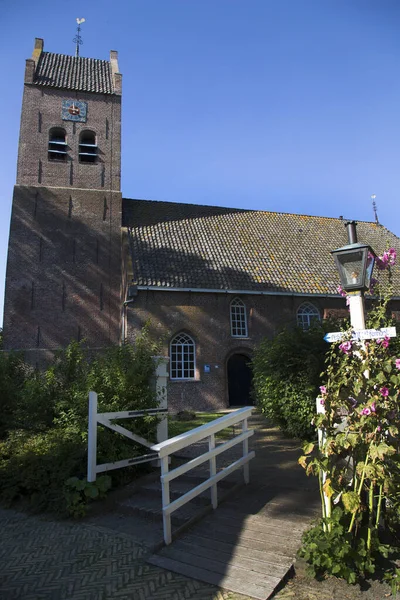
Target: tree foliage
(287,373)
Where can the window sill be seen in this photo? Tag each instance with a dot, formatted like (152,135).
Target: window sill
(184,380)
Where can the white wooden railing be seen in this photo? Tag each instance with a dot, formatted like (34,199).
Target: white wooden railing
(165,449)
(106,419)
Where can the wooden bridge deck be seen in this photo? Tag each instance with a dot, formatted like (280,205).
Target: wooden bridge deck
(249,543)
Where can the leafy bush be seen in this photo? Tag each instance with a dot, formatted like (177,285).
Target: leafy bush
(44,429)
(287,372)
(329,547)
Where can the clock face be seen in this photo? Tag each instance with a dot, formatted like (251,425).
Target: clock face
(74,110)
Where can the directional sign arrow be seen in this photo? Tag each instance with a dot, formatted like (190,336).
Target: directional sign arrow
(362,334)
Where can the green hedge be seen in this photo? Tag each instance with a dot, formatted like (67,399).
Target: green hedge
(43,429)
(287,372)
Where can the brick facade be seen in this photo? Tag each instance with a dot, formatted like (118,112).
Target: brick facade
(206,318)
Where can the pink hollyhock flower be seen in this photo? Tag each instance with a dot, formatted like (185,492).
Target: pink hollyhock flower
(397,363)
(322,401)
(381,263)
(379,428)
(373,407)
(385,342)
(322,389)
(384,391)
(366,411)
(345,347)
(391,256)
(341,291)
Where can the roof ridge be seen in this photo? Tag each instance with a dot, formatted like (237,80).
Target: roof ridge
(256,210)
(76,57)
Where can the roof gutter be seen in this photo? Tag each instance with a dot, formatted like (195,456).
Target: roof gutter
(155,288)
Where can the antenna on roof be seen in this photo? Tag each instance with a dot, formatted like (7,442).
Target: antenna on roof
(375,208)
(77,39)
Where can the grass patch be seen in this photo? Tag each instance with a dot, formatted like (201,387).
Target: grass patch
(176,425)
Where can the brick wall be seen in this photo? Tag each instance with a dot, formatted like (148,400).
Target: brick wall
(64,268)
(206,317)
(41,111)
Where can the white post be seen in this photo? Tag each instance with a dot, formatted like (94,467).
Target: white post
(213,472)
(161,391)
(246,467)
(321,442)
(165,501)
(357,316)
(92,437)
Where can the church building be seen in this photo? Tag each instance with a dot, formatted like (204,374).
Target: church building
(85,263)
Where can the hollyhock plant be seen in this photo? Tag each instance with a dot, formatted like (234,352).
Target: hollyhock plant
(356,457)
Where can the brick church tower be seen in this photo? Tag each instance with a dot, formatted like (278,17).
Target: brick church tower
(63,276)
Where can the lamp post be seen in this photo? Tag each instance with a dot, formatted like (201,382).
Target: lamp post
(355,263)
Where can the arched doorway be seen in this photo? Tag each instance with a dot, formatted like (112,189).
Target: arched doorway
(239,380)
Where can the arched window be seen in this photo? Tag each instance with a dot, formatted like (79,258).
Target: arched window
(87,147)
(182,357)
(57,144)
(306,314)
(238,318)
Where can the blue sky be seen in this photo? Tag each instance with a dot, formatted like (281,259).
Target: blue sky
(283,105)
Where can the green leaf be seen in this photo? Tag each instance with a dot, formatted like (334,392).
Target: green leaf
(308,447)
(91,492)
(351,502)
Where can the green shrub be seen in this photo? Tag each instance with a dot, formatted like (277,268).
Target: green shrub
(286,380)
(13,375)
(45,428)
(79,492)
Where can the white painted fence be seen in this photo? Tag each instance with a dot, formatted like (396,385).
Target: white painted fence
(106,419)
(165,449)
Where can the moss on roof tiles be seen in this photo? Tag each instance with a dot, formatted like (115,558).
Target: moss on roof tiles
(185,245)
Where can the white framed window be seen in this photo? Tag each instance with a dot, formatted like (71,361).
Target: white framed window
(306,314)
(238,318)
(182,357)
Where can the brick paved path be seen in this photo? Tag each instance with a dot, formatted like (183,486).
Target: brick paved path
(42,559)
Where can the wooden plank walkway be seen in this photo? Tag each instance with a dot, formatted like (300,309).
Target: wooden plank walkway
(249,543)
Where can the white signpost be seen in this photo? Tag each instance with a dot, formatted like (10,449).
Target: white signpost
(362,334)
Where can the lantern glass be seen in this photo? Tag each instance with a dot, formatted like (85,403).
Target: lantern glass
(369,269)
(355,264)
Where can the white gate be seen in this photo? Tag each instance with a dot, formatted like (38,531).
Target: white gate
(105,419)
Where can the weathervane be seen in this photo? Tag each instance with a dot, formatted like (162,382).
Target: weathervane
(77,39)
(375,208)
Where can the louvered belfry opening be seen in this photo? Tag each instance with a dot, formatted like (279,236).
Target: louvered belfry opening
(87,147)
(57,144)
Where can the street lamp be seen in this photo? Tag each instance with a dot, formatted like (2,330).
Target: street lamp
(355,263)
